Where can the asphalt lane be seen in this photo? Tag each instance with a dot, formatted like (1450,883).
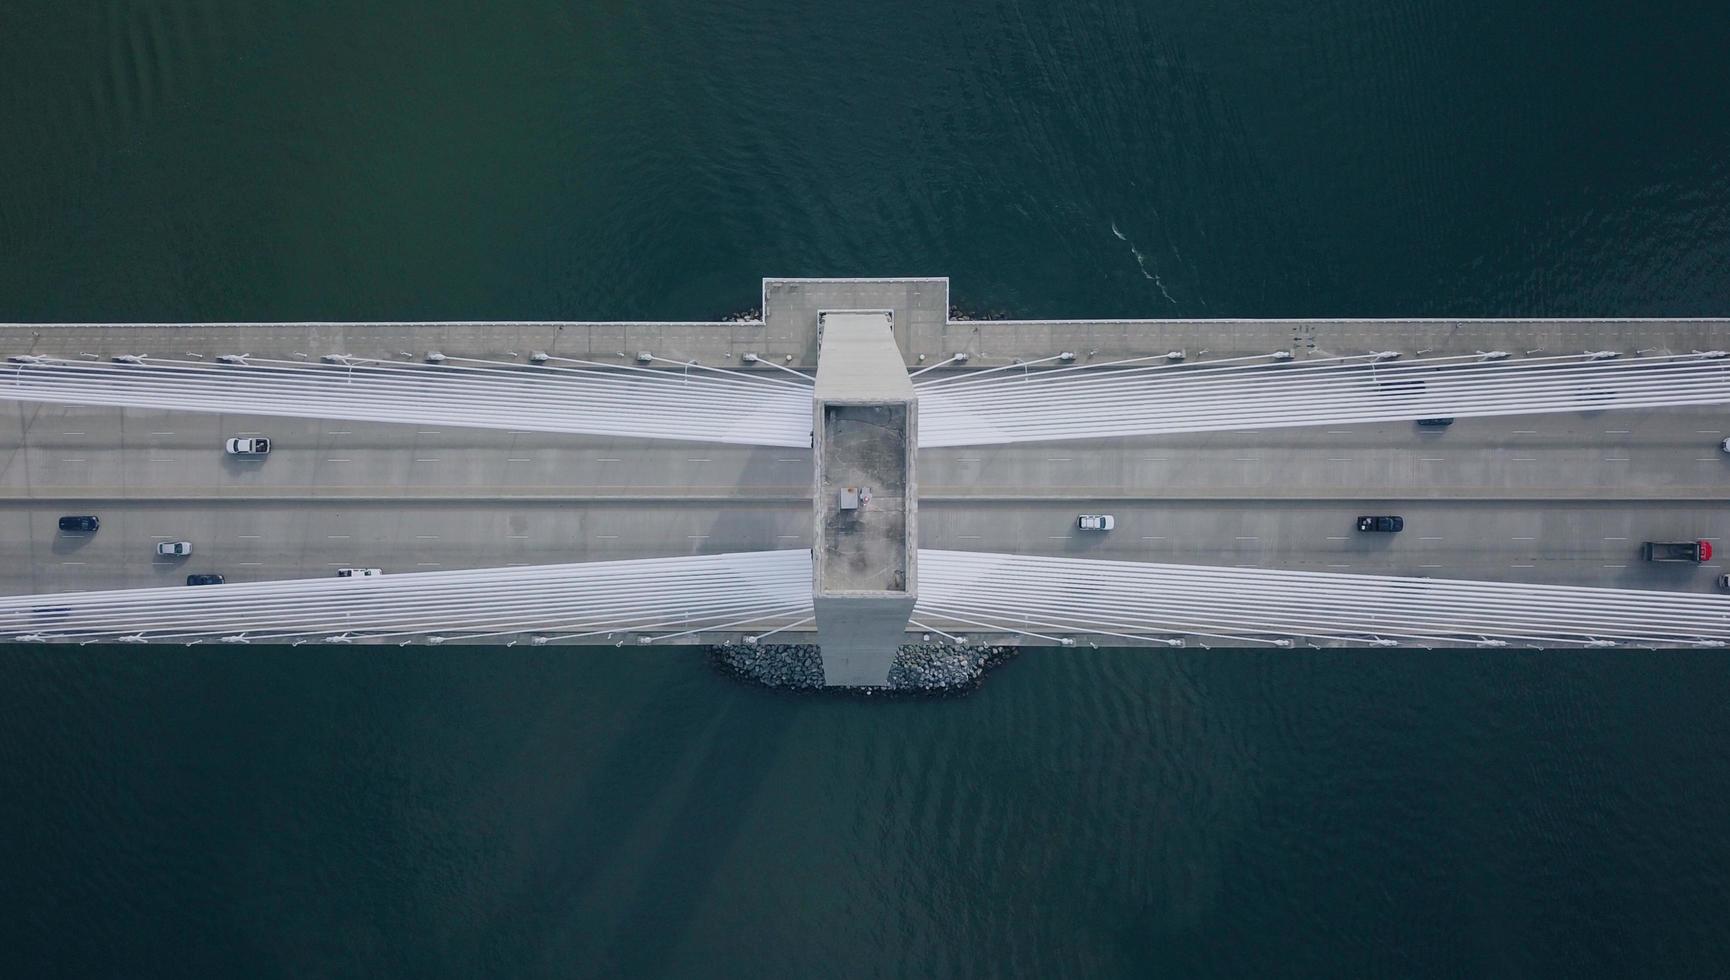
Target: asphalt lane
(1562,499)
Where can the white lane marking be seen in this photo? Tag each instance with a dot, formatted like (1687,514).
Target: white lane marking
(1336,565)
(160,459)
(1338,537)
(1249,537)
(1525,459)
(249,563)
(1431,537)
(1525,432)
(1145,537)
(72,433)
(337,432)
(697,459)
(1615,566)
(1058,537)
(1059,459)
(1707,432)
(1615,432)
(427,432)
(77,459)
(153,433)
(1155,459)
(606,459)
(337,537)
(1246,459)
(1615,459)
(1608,538)
(1429,566)
(1705,459)
(1339,459)
(426,459)
(789,459)
(968,459)
(968,536)
(696,535)
(432,537)
(1518,538)
(71,563)
(607,537)
(1522,566)
(1431,459)
(520,459)
(428,564)
(339,460)
(786,536)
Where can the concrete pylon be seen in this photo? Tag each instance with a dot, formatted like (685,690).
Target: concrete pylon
(864,433)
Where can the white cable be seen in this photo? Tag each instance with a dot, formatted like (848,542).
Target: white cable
(686,594)
(1147,600)
(649,403)
(1082,403)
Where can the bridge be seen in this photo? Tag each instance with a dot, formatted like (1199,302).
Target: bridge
(857,468)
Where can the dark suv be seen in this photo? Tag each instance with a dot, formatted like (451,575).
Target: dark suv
(1387,524)
(81,525)
(209,578)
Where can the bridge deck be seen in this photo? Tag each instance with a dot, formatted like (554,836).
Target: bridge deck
(1553,499)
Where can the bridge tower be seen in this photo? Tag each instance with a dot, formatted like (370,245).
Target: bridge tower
(865,433)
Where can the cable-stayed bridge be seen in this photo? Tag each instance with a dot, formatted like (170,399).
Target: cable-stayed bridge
(593,483)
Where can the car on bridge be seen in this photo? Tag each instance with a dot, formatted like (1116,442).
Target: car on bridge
(242,446)
(81,524)
(359,572)
(1387,524)
(174,549)
(208,578)
(1096,522)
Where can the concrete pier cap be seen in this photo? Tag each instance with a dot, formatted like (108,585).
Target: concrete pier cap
(864,432)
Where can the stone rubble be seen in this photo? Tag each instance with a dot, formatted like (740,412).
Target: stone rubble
(918,667)
(958,314)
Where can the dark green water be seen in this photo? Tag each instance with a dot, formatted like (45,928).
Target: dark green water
(346,812)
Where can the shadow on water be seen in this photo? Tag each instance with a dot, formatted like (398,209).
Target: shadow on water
(649,820)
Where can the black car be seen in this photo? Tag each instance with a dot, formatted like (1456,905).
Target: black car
(1436,423)
(1386,524)
(209,578)
(84,524)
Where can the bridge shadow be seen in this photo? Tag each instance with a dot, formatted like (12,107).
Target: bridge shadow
(626,856)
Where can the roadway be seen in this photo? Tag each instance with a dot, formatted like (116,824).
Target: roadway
(1562,499)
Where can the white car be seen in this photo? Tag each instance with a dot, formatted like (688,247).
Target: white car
(1725,445)
(248,446)
(174,549)
(359,572)
(1096,522)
